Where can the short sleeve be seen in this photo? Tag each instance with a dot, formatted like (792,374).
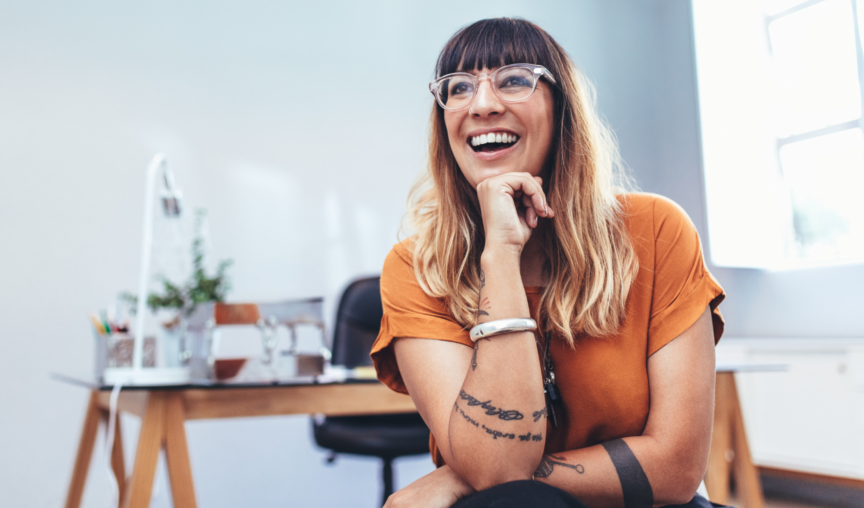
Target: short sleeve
(683,286)
(408,312)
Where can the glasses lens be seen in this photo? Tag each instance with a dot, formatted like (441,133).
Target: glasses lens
(515,83)
(456,92)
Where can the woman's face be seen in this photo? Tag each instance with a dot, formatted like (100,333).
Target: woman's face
(531,122)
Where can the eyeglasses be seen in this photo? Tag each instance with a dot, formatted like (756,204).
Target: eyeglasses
(511,83)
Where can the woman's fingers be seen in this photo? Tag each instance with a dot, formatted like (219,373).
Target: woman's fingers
(532,188)
(531,214)
(531,217)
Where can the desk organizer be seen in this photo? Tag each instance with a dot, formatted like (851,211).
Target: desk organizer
(272,365)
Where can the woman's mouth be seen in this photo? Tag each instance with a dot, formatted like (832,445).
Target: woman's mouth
(493,141)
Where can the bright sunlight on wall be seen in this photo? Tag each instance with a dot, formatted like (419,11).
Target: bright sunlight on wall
(780,92)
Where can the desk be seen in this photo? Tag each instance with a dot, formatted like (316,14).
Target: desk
(164,409)
(730,453)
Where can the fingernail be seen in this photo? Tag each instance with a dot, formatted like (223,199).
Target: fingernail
(545,210)
(535,222)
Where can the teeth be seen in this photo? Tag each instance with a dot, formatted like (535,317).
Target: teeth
(497,137)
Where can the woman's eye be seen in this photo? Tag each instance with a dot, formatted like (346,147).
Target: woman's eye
(515,82)
(462,88)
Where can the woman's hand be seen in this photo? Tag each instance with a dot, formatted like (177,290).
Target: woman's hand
(511,205)
(439,489)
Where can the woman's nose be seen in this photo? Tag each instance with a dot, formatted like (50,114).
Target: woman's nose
(486,102)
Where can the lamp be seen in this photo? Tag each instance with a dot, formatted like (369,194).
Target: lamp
(171,199)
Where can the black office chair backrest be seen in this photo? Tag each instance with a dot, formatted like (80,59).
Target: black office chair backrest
(358,320)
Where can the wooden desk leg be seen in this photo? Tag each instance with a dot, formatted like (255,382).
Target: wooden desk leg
(717,476)
(177,452)
(748,486)
(118,463)
(140,486)
(85,452)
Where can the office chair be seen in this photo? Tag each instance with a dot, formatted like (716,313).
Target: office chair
(387,436)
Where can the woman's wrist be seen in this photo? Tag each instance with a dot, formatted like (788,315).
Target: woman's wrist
(507,256)
(502,295)
(462,488)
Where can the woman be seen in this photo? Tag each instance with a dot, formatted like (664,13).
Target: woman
(610,399)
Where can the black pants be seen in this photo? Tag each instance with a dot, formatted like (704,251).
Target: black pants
(528,494)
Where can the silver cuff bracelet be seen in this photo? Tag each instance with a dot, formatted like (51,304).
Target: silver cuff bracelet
(492,328)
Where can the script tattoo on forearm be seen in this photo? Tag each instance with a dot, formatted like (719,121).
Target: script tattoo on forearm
(634,483)
(467,418)
(547,466)
(491,410)
(497,433)
(511,436)
(540,414)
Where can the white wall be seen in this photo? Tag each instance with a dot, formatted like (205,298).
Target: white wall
(260,108)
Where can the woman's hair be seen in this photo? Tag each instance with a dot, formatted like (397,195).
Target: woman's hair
(590,260)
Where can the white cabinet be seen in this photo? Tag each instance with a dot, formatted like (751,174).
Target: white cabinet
(809,417)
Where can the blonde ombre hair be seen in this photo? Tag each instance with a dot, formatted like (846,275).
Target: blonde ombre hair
(590,261)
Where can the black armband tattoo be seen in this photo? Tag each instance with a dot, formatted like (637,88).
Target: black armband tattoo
(634,483)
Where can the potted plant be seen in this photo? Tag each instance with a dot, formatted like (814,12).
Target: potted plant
(181,299)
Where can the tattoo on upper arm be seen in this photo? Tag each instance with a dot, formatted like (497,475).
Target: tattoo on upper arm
(634,483)
(540,414)
(491,410)
(547,466)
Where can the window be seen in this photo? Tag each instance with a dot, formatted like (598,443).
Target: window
(780,94)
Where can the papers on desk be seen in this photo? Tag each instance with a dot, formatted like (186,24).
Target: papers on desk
(339,374)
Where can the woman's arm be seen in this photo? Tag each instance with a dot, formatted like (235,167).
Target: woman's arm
(665,464)
(480,403)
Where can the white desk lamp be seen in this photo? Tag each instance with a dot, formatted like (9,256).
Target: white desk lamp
(172,208)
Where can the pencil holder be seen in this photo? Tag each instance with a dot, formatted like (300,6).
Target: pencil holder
(115,351)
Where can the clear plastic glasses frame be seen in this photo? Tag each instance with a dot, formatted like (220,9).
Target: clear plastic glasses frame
(441,86)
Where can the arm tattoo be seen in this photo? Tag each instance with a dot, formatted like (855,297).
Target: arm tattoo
(502,414)
(529,437)
(634,483)
(467,418)
(484,301)
(547,466)
(474,358)
(511,436)
(539,414)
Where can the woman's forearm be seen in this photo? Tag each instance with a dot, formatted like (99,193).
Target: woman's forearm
(632,472)
(497,427)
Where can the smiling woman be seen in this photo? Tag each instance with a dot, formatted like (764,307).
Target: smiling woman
(594,311)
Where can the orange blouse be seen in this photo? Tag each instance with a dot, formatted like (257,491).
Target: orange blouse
(603,381)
